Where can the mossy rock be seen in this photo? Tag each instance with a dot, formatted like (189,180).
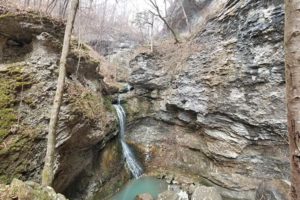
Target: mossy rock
(16,158)
(108,103)
(11,22)
(28,191)
(137,107)
(15,138)
(12,81)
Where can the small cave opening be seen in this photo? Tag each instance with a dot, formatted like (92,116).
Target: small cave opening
(14,49)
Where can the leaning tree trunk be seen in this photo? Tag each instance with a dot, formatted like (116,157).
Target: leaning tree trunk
(169,28)
(158,14)
(292,67)
(48,174)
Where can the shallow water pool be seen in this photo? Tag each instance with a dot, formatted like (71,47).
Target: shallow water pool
(142,185)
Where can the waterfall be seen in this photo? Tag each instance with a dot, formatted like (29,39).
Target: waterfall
(132,164)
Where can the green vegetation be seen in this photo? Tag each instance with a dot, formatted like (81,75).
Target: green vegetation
(107,102)
(136,108)
(7,15)
(86,103)
(20,146)
(12,79)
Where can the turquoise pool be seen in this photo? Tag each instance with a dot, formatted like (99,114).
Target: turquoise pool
(142,185)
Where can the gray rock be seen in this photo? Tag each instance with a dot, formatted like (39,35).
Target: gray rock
(273,190)
(222,116)
(28,190)
(183,195)
(145,196)
(206,193)
(147,73)
(81,129)
(168,195)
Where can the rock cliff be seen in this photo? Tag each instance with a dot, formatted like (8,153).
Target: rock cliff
(30,46)
(217,108)
(209,111)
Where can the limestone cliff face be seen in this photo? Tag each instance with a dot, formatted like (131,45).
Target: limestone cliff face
(29,54)
(218,106)
(210,110)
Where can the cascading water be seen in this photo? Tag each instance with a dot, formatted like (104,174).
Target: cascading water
(132,164)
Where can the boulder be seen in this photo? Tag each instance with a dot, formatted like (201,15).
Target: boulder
(273,190)
(144,196)
(168,195)
(206,193)
(183,195)
(28,191)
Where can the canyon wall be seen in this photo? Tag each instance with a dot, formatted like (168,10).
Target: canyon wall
(30,50)
(217,102)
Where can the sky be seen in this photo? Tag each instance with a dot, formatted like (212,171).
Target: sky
(135,6)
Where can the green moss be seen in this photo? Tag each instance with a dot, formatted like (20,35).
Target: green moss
(90,104)
(107,102)
(21,146)
(16,145)
(84,102)
(7,118)
(4,179)
(30,101)
(137,108)
(7,114)
(7,15)
(12,79)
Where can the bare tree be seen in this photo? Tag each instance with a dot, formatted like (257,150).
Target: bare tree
(166,9)
(50,6)
(292,66)
(152,33)
(26,3)
(185,16)
(157,12)
(145,20)
(48,171)
(63,5)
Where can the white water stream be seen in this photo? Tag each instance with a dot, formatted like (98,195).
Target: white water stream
(132,164)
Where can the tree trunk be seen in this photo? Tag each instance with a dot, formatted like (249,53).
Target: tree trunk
(170,29)
(48,173)
(158,14)
(152,33)
(292,66)
(186,17)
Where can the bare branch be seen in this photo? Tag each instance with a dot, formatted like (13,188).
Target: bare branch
(158,14)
